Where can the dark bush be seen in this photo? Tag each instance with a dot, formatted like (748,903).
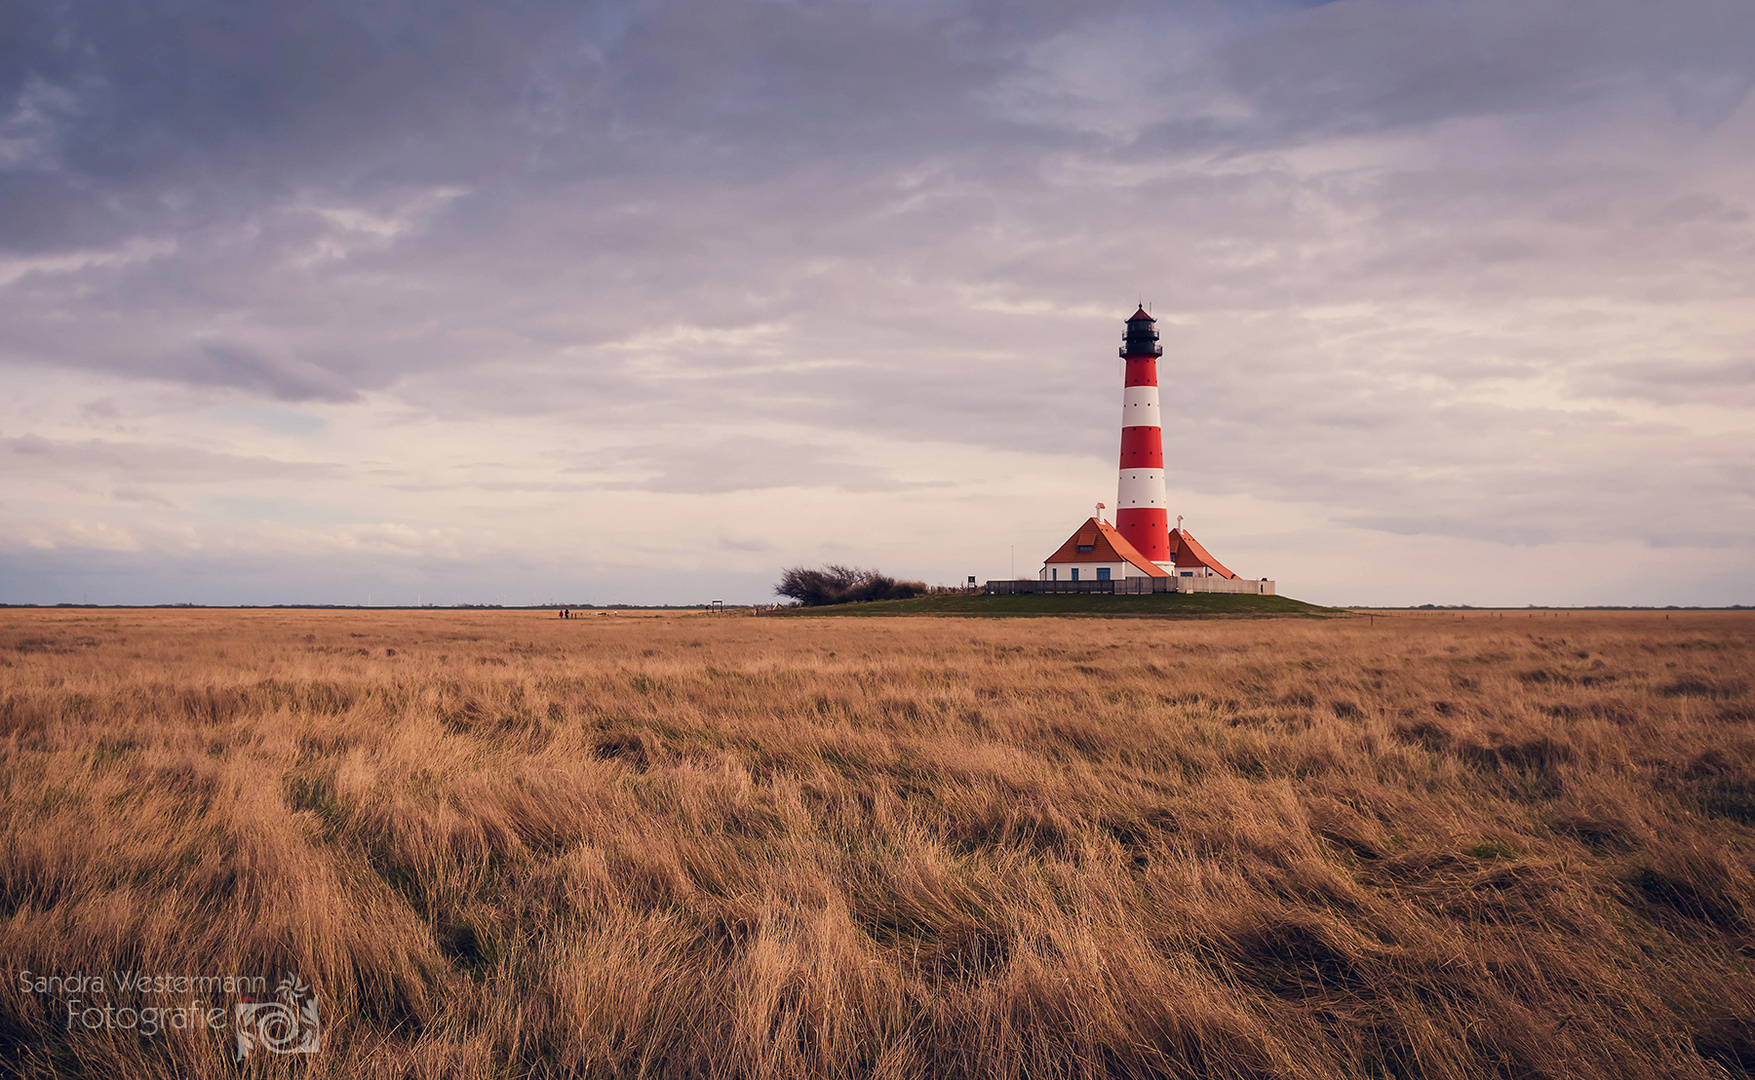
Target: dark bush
(843,585)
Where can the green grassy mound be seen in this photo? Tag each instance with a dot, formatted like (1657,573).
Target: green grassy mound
(1174,605)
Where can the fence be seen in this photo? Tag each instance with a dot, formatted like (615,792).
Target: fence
(1131,586)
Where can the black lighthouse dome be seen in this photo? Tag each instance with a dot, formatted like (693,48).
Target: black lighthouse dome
(1141,338)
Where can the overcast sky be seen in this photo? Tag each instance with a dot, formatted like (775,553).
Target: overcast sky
(397,301)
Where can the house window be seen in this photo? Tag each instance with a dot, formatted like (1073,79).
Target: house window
(1086,547)
(1056,573)
(1188,573)
(1075,576)
(1102,573)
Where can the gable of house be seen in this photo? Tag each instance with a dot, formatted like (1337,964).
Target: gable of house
(1187,554)
(1097,542)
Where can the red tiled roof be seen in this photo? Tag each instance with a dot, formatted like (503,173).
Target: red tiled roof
(1106,545)
(1140,314)
(1187,554)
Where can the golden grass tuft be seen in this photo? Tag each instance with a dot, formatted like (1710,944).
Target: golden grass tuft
(504,844)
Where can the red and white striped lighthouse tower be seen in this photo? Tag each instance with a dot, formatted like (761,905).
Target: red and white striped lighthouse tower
(1140,514)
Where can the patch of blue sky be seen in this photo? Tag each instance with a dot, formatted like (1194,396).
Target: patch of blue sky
(275,418)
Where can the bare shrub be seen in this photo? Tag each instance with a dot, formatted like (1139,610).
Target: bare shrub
(843,585)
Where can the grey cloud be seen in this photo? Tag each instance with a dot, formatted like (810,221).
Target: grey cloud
(1374,64)
(731,543)
(40,215)
(1676,380)
(37,456)
(1525,476)
(142,495)
(512,485)
(286,378)
(185,115)
(744,464)
(183,109)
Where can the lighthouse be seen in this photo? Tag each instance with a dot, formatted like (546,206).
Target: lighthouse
(1139,553)
(1140,513)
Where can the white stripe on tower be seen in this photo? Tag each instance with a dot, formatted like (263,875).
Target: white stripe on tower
(1141,487)
(1140,513)
(1139,407)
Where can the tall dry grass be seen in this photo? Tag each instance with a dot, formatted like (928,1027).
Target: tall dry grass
(500,844)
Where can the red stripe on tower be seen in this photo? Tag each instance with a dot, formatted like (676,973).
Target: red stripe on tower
(1142,448)
(1140,514)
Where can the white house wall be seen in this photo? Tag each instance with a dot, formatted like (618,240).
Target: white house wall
(1088,571)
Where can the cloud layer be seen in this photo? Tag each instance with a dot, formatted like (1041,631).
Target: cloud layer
(624,301)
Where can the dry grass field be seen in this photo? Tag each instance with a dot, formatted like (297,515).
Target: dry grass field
(500,844)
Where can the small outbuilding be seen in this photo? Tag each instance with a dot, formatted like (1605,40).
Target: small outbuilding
(1192,560)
